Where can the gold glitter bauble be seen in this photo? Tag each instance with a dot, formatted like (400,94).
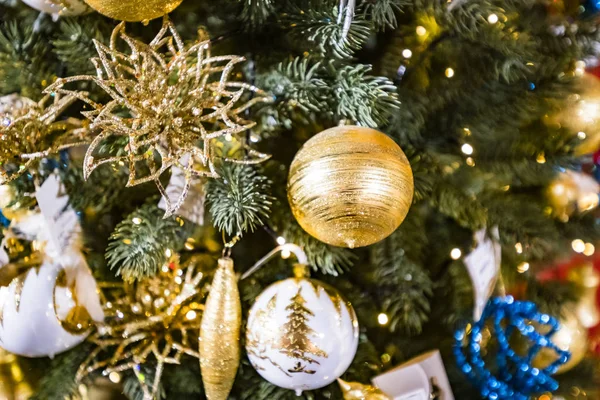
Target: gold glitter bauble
(220,333)
(350,186)
(134,10)
(360,391)
(588,281)
(571,336)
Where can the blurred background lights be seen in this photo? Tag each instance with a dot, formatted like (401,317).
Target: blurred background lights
(382,319)
(578,245)
(467,149)
(455,253)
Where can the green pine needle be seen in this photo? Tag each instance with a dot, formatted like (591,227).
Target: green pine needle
(239,201)
(141,243)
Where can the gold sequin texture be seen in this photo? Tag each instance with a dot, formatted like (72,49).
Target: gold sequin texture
(170,104)
(350,186)
(134,10)
(220,333)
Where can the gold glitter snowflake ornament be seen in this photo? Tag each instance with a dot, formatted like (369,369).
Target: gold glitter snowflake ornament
(148,325)
(169,102)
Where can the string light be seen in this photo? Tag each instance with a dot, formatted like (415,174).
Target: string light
(136,220)
(382,319)
(421,31)
(168,252)
(519,248)
(589,249)
(578,245)
(190,315)
(280,240)
(406,53)
(455,253)
(449,72)
(470,162)
(467,149)
(285,254)
(581,135)
(114,377)
(541,158)
(523,267)
(492,18)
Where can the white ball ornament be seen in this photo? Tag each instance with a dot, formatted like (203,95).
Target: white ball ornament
(301,334)
(66,8)
(39,314)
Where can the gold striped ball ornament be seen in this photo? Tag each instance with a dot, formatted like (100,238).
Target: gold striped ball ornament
(350,186)
(134,10)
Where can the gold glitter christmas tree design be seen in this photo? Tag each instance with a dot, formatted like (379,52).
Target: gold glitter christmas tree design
(295,340)
(170,103)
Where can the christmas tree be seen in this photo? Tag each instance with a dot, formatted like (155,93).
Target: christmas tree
(296,339)
(134,155)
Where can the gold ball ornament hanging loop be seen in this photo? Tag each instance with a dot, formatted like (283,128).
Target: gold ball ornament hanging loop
(350,186)
(134,10)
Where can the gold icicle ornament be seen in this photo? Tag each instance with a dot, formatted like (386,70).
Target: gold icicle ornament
(220,333)
(359,391)
(170,104)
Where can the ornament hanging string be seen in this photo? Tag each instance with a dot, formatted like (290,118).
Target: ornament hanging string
(292,248)
(347,14)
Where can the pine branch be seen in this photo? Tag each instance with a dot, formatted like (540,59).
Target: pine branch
(74,46)
(382,13)
(59,381)
(323,26)
(404,288)
(239,201)
(369,100)
(26,60)
(256,12)
(332,91)
(141,243)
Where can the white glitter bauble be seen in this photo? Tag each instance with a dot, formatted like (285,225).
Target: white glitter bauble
(66,8)
(33,303)
(301,334)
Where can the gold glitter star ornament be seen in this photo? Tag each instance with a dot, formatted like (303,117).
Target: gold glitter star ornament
(170,103)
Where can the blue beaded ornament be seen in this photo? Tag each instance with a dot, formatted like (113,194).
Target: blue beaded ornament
(515,377)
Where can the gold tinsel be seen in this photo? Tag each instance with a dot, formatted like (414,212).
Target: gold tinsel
(359,391)
(156,318)
(220,333)
(134,10)
(30,131)
(350,186)
(178,100)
